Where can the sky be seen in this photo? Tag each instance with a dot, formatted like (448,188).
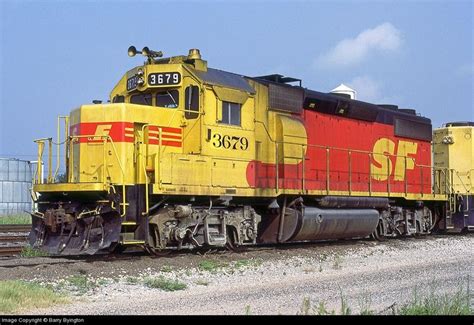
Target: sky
(58,55)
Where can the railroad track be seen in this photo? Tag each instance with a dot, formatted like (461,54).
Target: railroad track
(13,238)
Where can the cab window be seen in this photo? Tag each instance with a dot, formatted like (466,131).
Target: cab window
(168,99)
(231,113)
(191,104)
(141,99)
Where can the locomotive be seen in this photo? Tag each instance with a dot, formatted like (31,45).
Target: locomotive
(184,156)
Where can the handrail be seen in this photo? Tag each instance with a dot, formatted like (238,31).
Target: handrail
(309,145)
(39,168)
(145,162)
(433,169)
(66,135)
(462,182)
(105,139)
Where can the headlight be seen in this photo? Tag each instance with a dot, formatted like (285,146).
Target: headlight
(448,140)
(140,81)
(140,72)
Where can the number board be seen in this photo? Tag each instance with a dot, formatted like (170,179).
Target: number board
(132,82)
(164,79)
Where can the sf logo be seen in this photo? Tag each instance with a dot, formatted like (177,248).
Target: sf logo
(101,131)
(386,152)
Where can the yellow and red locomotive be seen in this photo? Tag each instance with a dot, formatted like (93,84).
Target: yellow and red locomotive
(186,156)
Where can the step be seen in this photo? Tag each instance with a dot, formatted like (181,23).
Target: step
(132,242)
(217,240)
(129,223)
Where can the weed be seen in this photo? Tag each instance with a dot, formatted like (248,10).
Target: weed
(337,262)
(247,310)
(432,304)
(210,266)
(436,304)
(345,309)
(164,284)
(323,257)
(364,304)
(103,282)
(15,219)
(131,280)
(166,269)
(322,310)
(81,283)
(29,251)
(306,307)
(248,263)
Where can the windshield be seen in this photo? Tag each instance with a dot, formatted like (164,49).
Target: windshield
(163,98)
(167,98)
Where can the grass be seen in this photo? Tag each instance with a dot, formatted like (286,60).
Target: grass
(15,219)
(166,268)
(438,304)
(17,295)
(132,280)
(213,266)
(210,265)
(29,251)
(81,283)
(432,304)
(248,263)
(165,284)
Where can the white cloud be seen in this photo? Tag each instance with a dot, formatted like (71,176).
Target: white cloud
(370,90)
(384,37)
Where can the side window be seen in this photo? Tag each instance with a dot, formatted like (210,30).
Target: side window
(231,113)
(191,100)
(118,99)
(141,99)
(168,99)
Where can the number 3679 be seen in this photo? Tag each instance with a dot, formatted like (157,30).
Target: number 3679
(230,142)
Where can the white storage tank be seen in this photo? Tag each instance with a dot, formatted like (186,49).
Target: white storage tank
(15,183)
(344,91)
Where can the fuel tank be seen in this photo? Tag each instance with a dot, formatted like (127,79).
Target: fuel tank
(319,224)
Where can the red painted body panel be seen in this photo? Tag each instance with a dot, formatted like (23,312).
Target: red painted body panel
(324,130)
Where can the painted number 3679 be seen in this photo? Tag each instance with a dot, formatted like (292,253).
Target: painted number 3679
(230,142)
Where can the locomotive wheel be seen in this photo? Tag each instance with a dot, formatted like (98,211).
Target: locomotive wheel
(156,252)
(378,232)
(118,249)
(231,244)
(153,250)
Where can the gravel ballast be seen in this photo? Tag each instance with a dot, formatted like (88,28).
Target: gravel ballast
(365,274)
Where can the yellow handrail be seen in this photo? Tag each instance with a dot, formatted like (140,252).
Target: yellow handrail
(105,140)
(145,161)
(39,168)
(66,134)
